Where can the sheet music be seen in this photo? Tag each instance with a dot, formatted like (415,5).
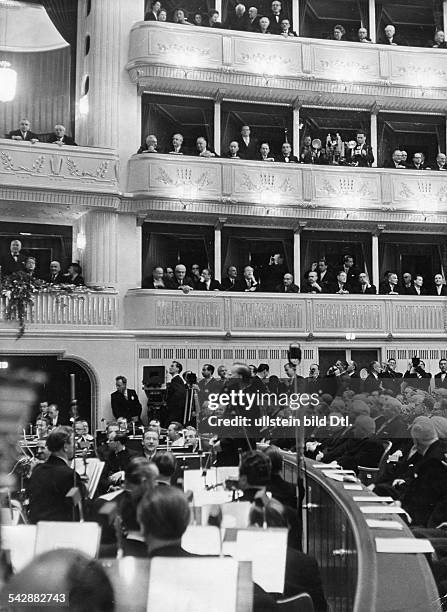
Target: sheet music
(403,545)
(51,535)
(20,541)
(266,549)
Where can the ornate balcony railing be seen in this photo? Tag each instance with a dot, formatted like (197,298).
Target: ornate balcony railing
(243,62)
(89,309)
(48,166)
(281,188)
(273,315)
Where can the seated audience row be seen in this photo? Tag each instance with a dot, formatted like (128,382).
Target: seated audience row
(276,278)
(274,20)
(24,133)
(17,263)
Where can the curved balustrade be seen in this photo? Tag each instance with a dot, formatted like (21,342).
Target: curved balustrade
(355,577)
(274,315)
(49,166)
(93,309)
(245,62)
(279,189)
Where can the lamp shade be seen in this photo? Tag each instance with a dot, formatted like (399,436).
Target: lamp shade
(27,28)
(8,81)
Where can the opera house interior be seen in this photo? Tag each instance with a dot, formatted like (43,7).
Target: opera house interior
(160,395)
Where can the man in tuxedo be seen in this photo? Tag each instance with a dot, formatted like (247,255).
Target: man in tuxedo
(276,15)
(175,395)
(50,481)
(439,287)
(56,420)
(14,261)
(396,161)
(237,20)
(208,283)
(253,20)
(341,285)
(314,382)
(325,278)
(274,273)
(229,283)
(125,402)
(60,138)
(233,150)
(390,286)
(248,146)
(152,15)
(393,378)
(364,286)
(156,280)
(23,133)
(312,285)
(177,145)
(390,37)
(287,285)
(248,283)
(55,277)
(373,382)
(417,288)
(441,376)
(407,284)
(119,458)
(418,162)
(351,271)
(290,370)
(208,384)
(180,280)
(202,149)
(361,155)
(440,162)
(286,156)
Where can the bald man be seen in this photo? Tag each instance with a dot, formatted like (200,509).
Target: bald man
(60,137)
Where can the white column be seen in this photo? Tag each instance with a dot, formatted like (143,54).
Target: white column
(372,20)
(296,130)
(375,260)
(218,248)
(444,10)
(217,135)
(296,16)
(218,5)
(373,137)
(101,251)
(113,117)
(297,256)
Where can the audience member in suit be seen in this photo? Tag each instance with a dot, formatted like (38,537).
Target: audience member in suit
(264,25)
(119,458)
(152,15)
(50,481)
(208,384)
(248,283)
(439,40)
(202,149)
(418,162)
(341,286)
(390,286)
(311,284)
(407,283)
(390,38)
(124,401)
(264,153)
(14,261)
(420,379)
(248,146)
(362,154)
(440,162)
(325,277)
(392,378)
(396,161)
(74,276)
(286,156)
(287,286)
(149,444)
(352,272)
(373,381)
(286,29)
(177,145)
(149,146)
(253,20)
(175,395)
(417,287)
(55,276)
(441,376)
(439,287)
(362,35)
(23,133)
(55,417)
(233,150)
(229,283)
(273,274)
(60,137)
(156,280)
(237,20)
(364,287)
(180,280)
(214,20)
(284,492)
(276,15)
(314,383)
(363,449)
(208,283)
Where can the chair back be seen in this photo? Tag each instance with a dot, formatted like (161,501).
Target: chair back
(368,475)
(298,603)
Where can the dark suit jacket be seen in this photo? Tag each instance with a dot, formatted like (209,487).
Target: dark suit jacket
(371,384)
(58,279)
(28,136)
(352,276)
(439,384)
(241,285)
(366,452)
(226,284)
(248,152)
(9,265)
(213,286)
(397,40)
(420,383)
(175,399)
(275,26)
(391,164)
(412,291)
(385,289)
(253,26)
(411,166)
(284,492)
(303,575)
(173,283)
(437,168)
(293,159)
(122,407)
(234,22)
(206,387)
(48,485)
(272,276)
(150,16)
(148,282)
(68,140)
(290,289)
(117,462)
(368,291)
(363,161)
(77,282)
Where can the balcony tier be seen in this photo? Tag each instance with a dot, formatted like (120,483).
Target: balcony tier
(171,58)
(279,190)
(90,310)
(272,315)
(50,167)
